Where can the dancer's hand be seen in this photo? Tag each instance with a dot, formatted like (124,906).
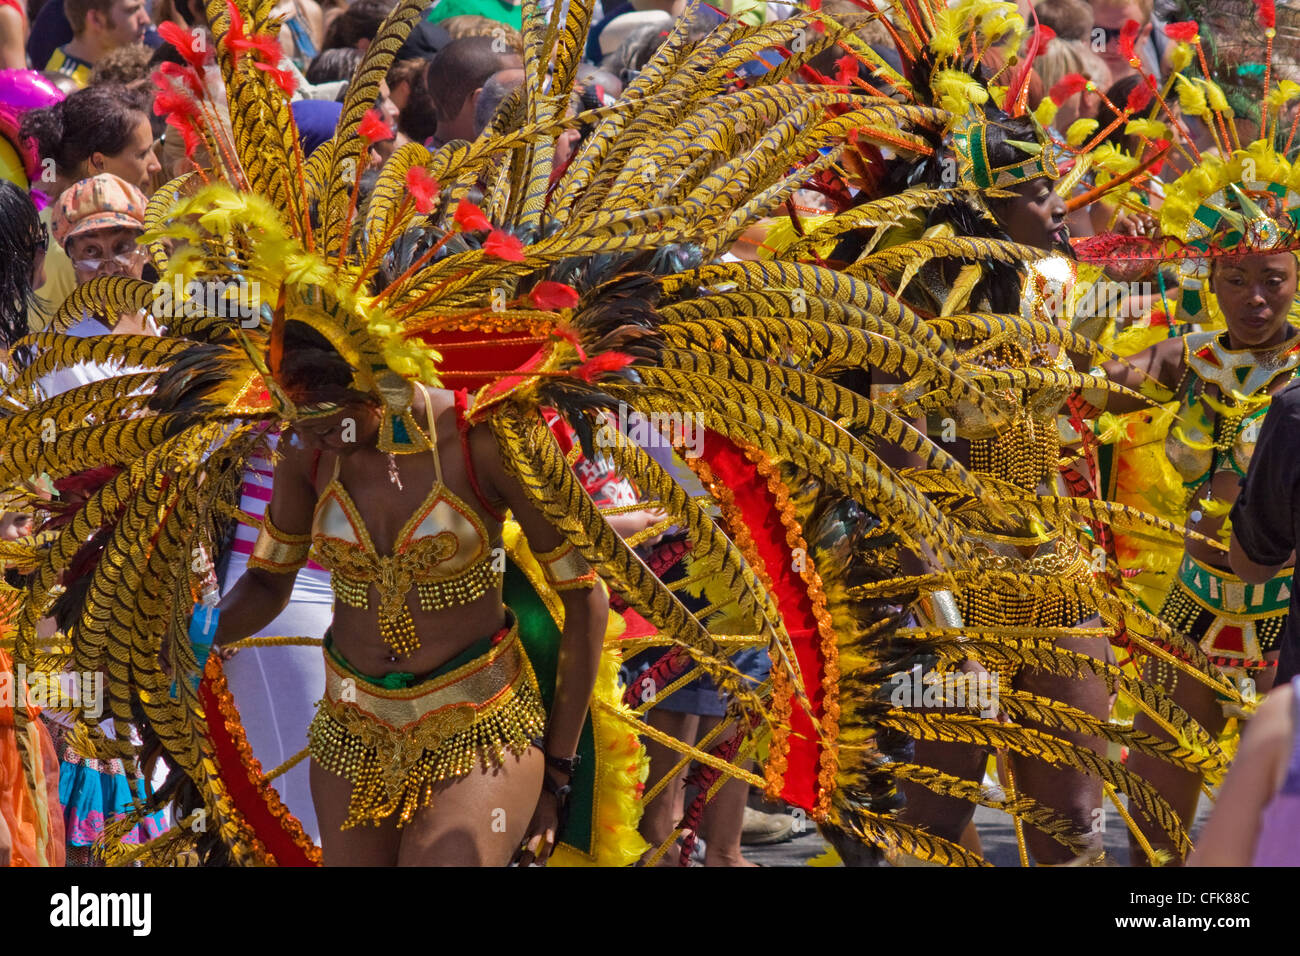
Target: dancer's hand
(542,831)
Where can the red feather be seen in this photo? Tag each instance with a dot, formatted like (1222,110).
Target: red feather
(1184,31)
(183,41)
(609,362)
(502,245)
(1267,13)
(1069,85)
(1139,98)
(1127,35)
(553,296)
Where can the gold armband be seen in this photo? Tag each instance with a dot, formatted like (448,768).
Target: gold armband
(939,609)
(278,551)
(567,570)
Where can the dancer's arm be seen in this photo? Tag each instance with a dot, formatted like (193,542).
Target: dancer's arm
(1232,831)
(259,595)
(586,610)
(1160,365)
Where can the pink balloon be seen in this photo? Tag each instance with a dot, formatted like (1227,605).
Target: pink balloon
(23,90)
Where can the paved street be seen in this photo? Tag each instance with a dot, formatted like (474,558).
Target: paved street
(996,832)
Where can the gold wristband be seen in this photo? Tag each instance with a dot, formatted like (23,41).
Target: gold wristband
(939,609)
(278,551)
(565,569)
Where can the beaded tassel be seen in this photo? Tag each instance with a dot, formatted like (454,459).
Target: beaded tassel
(394,771)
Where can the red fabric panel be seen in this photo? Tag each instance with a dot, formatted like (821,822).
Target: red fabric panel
(758,506)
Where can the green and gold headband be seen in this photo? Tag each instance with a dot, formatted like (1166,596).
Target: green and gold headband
(970,142)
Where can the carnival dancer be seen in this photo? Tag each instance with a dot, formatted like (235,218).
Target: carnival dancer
(971,232)
(1221,382)
(573,289)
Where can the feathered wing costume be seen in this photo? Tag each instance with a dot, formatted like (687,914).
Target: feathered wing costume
(583,288)
(922,227)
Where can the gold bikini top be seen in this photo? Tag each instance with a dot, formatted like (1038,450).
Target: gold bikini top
(1203,441)
(443,551)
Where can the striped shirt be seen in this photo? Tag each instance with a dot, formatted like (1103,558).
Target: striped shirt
(313,582)
(62,62)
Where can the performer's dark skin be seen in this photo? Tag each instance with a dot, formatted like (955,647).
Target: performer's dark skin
(459,828)
(1255,294)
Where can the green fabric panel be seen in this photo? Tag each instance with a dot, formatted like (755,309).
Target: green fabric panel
(507,13)
(541,640)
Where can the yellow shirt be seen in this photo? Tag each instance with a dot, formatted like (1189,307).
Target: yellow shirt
(79,70)
(60,280)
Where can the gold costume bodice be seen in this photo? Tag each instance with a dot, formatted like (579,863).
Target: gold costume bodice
(1204,440)
(442,551)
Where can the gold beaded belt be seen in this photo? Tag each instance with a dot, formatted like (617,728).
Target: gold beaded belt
(395,745)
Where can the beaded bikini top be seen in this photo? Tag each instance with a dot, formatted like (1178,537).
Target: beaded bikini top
(443,551)
(1219,433)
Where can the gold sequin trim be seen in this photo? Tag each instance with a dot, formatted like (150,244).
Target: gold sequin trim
(396,745)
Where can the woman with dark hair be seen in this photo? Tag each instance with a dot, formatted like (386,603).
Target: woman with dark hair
(23,242)
(101,129)
(1023,452)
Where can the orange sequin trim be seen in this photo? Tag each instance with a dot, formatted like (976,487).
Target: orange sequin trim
(778,750)
(253,767)
(828,759)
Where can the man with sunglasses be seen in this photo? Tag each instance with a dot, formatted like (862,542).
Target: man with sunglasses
(98,222)
(1109,17)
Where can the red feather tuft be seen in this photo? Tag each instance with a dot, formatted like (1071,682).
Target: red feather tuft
(1127,37)
(1267,13)
(1045,35)
(846,69)
(422,187)
(373,129)
(601,364)
(470,218)
(1069,85)
(184,42)
(1184,31)
(1139,98)
(502,245)
(553,296)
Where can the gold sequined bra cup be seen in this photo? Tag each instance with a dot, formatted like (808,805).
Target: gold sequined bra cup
(442,551)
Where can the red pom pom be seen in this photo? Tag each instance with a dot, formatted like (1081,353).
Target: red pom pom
(553,296)
(502,245)
(1045,36)
(1139,98)
(1127,37)
(423,188)
(1069,85)
(372,128)
(846,69)
(470,218)
(1184,31)
(1267,13)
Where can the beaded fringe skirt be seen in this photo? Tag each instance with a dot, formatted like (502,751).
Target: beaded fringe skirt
(999,607)
(396,745)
